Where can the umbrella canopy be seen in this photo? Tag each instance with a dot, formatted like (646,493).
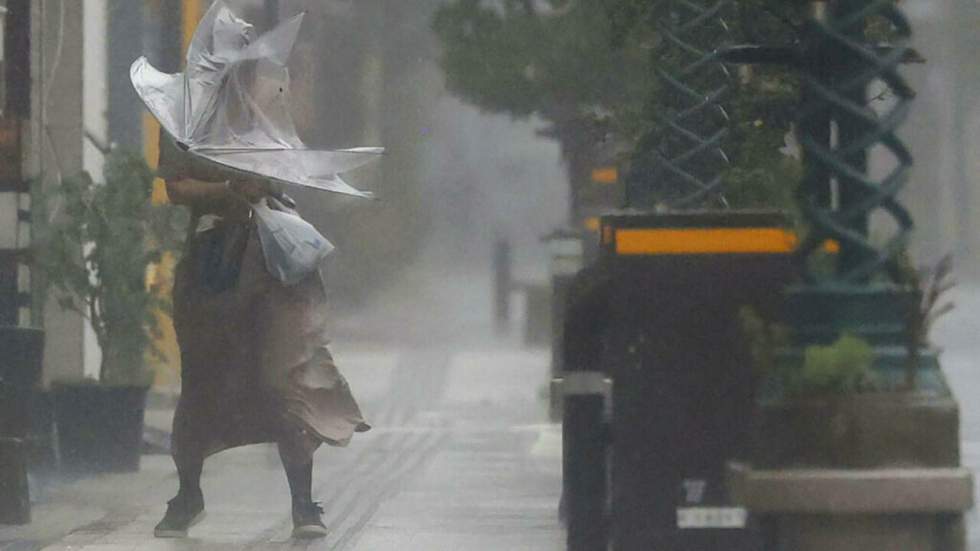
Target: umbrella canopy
(230,105)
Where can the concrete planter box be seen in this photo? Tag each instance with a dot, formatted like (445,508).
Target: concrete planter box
(864,472)
(909,509)
(860,431)
(20,379)
(100,428)
(15,499)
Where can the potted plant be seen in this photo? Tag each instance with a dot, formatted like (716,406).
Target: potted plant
(94,254)
(858,401)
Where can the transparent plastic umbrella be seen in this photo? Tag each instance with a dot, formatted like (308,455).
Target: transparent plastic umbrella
(230,105)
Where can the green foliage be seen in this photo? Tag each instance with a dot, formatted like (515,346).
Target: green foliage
(844,367)
(932,283)
(841,368)
(94,257)
(598,59)
(766,165)
(762,339)
(560,63)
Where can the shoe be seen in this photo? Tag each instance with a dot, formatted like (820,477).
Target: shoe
(307,523)
(182,513)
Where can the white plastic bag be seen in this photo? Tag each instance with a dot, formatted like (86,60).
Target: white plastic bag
(292,247)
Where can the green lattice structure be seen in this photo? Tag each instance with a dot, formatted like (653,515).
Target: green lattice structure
(842,70)
(687,158)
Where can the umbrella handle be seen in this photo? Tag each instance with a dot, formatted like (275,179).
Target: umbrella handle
(286,200)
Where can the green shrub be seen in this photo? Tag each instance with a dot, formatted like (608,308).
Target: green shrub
(762,340)
(93,253)
(841,368)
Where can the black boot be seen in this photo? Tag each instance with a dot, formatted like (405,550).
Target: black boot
(307,523)
(182,513)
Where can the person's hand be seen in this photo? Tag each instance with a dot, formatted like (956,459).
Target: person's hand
(252,190)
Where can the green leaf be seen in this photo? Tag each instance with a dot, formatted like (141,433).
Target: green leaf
(97,252)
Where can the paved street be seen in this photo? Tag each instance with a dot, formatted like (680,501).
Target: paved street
(459,458)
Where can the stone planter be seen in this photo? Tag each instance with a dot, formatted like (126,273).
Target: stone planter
(100,428)
(906,509)
(20,379)
(860,431)
(15,499)
(868,472)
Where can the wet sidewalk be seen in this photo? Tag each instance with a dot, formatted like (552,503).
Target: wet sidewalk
(460,459)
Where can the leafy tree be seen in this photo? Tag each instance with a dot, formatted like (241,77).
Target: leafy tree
(596,63)
(589,68)
(557,59)
(515,57)
(94,256)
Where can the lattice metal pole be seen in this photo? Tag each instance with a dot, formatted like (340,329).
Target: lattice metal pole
(843,74)
(839,70)
(686,158)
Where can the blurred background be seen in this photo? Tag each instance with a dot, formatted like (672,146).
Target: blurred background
(468,164)
(505,122)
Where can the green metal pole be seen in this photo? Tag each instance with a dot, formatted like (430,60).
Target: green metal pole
(816,124)
(840,65)
(851,131)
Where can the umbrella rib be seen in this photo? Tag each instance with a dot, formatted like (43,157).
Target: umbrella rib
(210,149)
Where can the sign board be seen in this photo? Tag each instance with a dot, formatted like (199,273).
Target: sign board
(690,518)
(605,175)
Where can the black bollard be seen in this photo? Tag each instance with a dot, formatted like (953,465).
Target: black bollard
(20,377)
(15,499)
(566,250)
(585,437)
(501,284)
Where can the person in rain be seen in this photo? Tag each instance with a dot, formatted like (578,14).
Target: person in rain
(255,366)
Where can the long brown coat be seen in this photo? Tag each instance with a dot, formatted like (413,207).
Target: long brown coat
(254,360)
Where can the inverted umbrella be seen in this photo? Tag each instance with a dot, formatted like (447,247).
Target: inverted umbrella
(230,105)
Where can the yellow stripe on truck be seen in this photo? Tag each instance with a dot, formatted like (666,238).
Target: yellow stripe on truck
(637,242)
